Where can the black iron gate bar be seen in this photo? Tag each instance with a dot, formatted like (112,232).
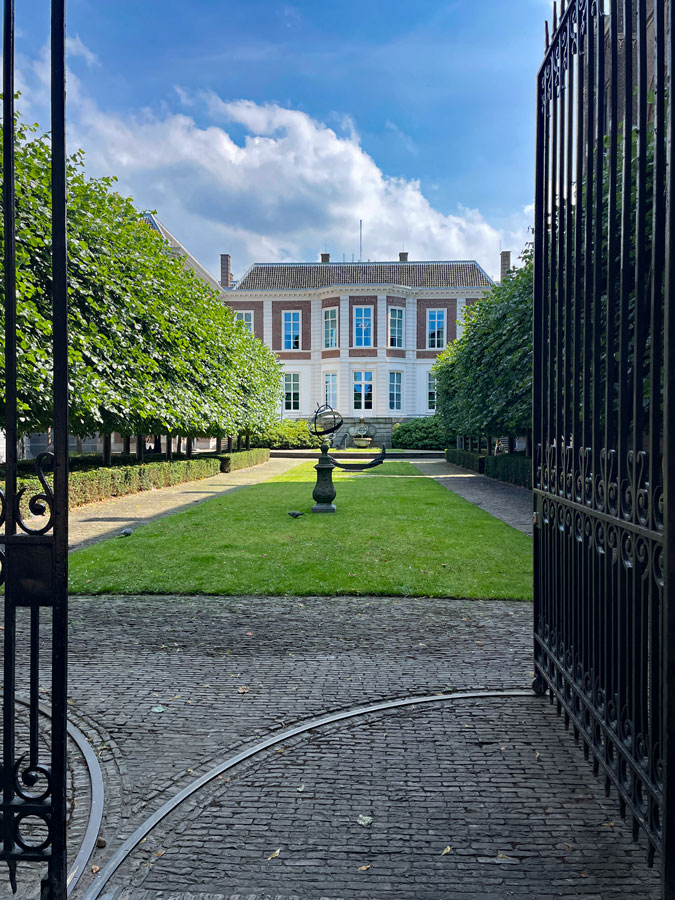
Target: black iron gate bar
(34,561)
(603,418)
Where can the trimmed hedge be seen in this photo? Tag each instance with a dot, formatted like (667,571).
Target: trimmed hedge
(510,467)
(230,462)
(466,460)
(103,483)
(426,433)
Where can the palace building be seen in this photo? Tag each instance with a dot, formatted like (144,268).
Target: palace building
(360,336)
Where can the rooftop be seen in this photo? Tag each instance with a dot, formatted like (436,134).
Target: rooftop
(303,276)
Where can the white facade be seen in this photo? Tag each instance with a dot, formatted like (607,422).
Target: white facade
(366,347)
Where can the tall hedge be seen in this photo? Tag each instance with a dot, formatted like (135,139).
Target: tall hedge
(153,349)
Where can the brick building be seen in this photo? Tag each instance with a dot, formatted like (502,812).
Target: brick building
(361,336)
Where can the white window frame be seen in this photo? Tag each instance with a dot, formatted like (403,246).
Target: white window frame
(397,309)
(291,312)
(359,378)
(294,389)
(431,389)
(330,390)
(240,316)
(357,310)
(445,329)
(328,314)
(396,391)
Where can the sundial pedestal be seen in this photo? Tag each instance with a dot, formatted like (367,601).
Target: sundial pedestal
(324,490)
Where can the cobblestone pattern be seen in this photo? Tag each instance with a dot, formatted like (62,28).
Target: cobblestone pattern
(154,684)
(508,502)
(502,786)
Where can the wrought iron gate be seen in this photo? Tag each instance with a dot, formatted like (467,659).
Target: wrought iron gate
(34,557)
(604,621)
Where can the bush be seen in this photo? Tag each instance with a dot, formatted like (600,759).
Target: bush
(101,483)
(230,462)
(511,467)
(287,435)
(466,460)
(420,434)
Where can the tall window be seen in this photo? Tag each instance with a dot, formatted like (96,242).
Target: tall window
(436,329)
(292,330)
(395,379)
(395,327)
(291,391)
(330,381)
(431,391)
(363,390)
(330,328)
(246,318)
(363,326)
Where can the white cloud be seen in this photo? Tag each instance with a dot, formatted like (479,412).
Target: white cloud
(75,47)
(291,187)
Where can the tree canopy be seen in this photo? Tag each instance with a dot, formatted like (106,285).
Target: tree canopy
(484,378)
(152,347)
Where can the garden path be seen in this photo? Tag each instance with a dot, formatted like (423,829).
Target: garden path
(97,521)
(508,502)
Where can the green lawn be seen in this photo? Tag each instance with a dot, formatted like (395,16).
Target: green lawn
(395,533)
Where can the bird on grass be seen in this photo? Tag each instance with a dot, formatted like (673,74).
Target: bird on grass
(295,514)
(126,533)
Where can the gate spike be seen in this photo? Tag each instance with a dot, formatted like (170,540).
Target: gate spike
(548,40)
(555,15)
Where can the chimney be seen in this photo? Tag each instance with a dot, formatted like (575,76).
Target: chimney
(505,263)
(325,257)
(225,270)
(403,256)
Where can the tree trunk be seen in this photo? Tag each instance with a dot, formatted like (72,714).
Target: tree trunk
(248,441)
(239,442)
(510,444)
(140,447)
(169,441)
(107,449)
(229,443)
(158,444)
(179,444)
(219,445)
(188,447)
(79,445)
(528,444)
(489,445)
(127,446)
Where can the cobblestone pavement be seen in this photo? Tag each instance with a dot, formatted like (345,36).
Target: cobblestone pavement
(98,521)
(508,502)
(166,688)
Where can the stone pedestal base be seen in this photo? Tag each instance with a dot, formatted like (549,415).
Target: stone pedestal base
(324,508)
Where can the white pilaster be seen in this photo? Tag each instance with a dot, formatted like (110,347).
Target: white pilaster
(461,306)
(410,328)
(381,337)
(345,399)
(267,322)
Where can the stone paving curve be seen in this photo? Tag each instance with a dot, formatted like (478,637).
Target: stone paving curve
(167,687)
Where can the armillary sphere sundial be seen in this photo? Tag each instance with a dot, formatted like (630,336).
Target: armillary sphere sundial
(327,421)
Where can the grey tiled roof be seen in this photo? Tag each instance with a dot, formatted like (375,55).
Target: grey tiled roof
(304,276)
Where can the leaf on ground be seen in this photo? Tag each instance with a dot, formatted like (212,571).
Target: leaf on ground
(95,869)
(446,851)
(363,868)
(608,824)
(158,709)
(365,820)
(275,854)
(301,788)
(243,689)
(160,853)
(503,856)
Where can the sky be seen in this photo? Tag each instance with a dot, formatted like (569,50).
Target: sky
(267,130)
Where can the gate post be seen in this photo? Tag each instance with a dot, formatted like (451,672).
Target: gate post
(34,564)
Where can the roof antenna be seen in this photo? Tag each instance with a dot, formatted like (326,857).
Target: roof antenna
(360,240)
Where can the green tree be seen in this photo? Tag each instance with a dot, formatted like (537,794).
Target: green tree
(152,347)
(484,378)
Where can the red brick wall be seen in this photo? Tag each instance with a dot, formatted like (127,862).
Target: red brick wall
(279,306)
(254,306)
(450,307)
(362,301)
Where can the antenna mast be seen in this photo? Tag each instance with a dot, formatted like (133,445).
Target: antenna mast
(360,240)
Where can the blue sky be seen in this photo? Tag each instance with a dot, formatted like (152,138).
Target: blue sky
(269,129)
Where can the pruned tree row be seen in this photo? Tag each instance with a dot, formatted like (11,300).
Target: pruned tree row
(484,379)
(153,349)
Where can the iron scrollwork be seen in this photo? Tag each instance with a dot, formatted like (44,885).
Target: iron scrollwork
(39,504)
